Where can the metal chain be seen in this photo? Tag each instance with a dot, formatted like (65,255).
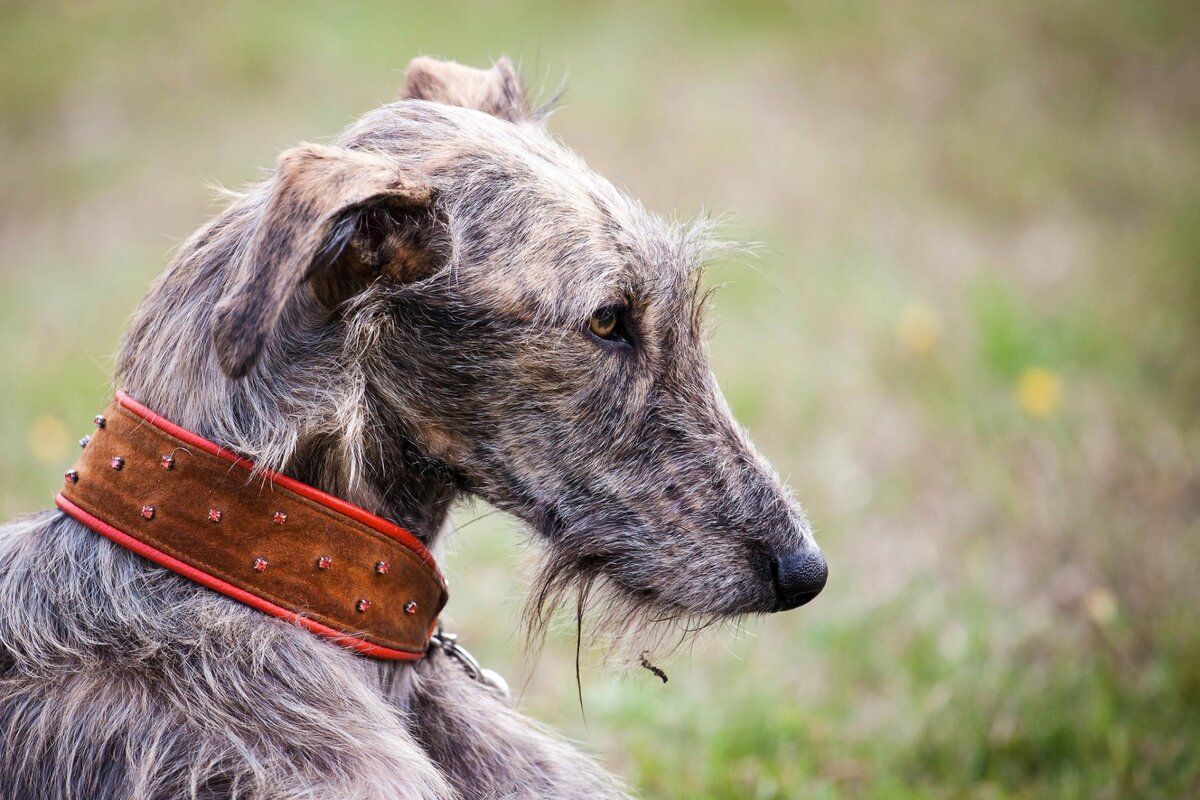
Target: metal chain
(448,643)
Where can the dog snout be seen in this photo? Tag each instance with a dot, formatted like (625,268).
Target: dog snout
(799,576)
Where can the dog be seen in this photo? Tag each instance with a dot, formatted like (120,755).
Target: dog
(444,302)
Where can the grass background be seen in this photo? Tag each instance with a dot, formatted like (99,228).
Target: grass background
(969,338)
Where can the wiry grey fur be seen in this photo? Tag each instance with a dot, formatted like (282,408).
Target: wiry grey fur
(400,319)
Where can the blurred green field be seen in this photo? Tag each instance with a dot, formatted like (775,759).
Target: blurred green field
(970,336)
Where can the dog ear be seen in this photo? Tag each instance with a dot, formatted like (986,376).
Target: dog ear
(334,218)
(497,91)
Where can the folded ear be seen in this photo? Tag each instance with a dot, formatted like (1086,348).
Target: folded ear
(497,91)
(333,217)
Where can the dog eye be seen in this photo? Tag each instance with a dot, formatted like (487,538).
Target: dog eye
(605,323)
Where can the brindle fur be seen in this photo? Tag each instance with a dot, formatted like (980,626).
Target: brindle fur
(399,318)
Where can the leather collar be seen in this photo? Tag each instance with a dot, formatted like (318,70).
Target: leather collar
(261,538)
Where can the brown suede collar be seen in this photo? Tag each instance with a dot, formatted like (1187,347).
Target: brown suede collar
(262,538)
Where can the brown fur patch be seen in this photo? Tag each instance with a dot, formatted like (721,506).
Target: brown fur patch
(312,185)
(496,91)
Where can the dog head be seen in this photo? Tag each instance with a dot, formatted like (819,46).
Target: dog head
(531,331)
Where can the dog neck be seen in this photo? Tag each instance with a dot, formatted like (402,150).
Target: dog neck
(308,410)
(404,485)
(359,456)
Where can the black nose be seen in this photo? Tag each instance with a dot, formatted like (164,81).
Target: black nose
(799,577)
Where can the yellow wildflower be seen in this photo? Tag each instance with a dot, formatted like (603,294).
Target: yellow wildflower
(1039,392)
(918,329)
(1101,606)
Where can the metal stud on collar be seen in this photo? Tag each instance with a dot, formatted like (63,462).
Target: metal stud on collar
(260,565)
(363,605)
(117,462)
(147,512)
(71,475)
(83,441)
(214,515)
(99,421)
(167,462)
(324,562)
